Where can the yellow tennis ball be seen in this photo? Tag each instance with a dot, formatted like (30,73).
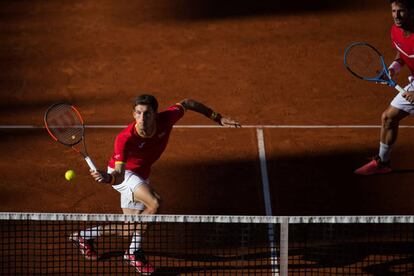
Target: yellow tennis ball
(69,175)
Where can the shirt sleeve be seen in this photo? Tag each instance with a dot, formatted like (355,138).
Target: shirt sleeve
(174,113)
(119,149)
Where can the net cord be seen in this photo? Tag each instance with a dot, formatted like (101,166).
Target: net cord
(204,218)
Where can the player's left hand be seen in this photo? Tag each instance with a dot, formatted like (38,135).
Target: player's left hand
(228,122)
(409,96)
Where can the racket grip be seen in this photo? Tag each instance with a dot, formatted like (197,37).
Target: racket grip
(90,163)
(399,89)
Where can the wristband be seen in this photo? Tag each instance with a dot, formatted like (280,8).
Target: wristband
(215,117)
(396,66)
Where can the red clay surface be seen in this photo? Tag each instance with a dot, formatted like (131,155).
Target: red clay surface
(275,63)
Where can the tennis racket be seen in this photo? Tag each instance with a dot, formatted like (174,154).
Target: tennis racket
(365,62)
(65,125)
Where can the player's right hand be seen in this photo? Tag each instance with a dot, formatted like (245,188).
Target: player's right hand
(100,176)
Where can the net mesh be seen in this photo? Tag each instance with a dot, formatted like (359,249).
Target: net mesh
(64,123)
(39,244)
(351,249)
(363,61)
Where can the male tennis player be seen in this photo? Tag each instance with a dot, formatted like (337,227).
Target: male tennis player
(402,36)
(136,148)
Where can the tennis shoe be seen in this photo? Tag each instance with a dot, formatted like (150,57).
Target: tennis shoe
(139,262)
(85,246)
(375,166)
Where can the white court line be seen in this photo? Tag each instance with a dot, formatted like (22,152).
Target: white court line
(267,200)
(263,169)
(217,126)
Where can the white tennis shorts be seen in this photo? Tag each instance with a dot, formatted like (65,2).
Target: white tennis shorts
(131,182)
(401,103)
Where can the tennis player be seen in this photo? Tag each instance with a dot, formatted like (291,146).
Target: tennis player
(402,36)
(136,149)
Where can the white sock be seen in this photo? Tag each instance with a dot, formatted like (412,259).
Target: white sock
(91,233)
(384,152)
(135,243)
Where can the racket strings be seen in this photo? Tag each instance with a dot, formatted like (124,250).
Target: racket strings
(64,123)
(364,61)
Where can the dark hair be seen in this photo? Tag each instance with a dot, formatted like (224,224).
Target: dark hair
(407,3)
(146,99)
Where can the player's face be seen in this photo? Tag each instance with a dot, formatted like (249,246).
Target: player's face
(145,118)
(400,15)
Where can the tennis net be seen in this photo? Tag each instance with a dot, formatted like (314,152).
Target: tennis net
(43,244)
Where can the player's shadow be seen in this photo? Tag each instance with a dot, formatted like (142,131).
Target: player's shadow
(386,268)
(184,259)
(175,248)
(354,254)
(335,256)
(108,255)
(312,183)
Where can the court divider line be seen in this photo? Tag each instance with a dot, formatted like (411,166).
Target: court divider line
(217,126)
(263,170)
(267,200)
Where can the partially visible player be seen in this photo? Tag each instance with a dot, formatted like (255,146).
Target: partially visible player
(402,36)
(136,149)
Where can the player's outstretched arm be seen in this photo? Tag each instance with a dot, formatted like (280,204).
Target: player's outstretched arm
(198,107)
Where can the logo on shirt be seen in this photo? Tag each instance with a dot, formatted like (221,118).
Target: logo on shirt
(141,145)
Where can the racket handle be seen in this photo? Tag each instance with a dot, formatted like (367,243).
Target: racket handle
(399,89)
(90,163)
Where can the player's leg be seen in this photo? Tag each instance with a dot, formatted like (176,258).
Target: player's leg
(380,164)
(85,239)
(136,200)
(391,117)
(142,194)
(398,110)
(130,207)
(144,201)
(134,255)
(147,196)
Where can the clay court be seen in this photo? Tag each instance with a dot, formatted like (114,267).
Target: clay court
(273,63)
(276,66)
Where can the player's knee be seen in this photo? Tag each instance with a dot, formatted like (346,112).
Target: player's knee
(153,206)
(388,121)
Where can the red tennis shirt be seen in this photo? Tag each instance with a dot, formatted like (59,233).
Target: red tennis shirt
(139,153)
(404,45)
